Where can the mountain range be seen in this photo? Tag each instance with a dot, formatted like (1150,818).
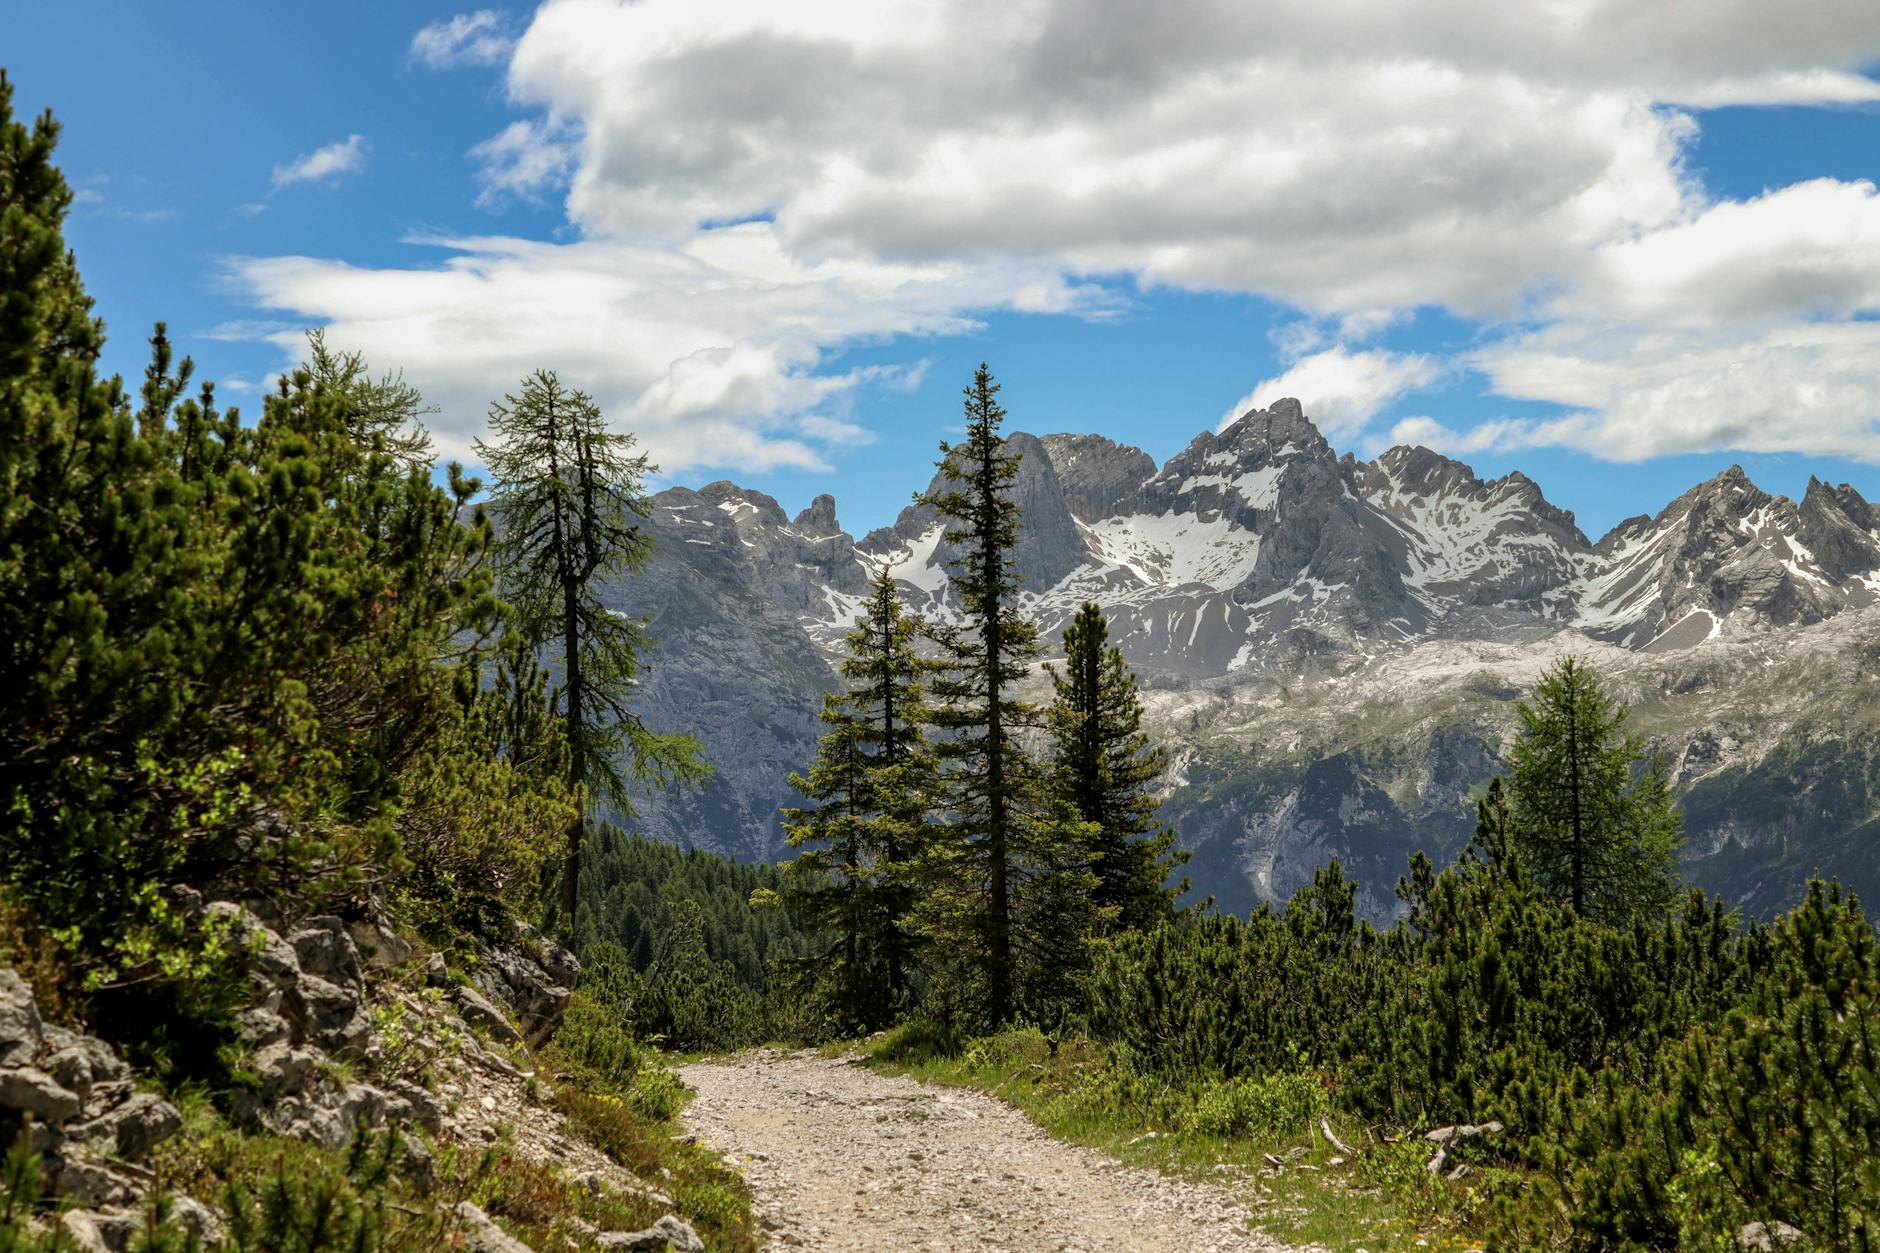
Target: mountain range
(1330,647)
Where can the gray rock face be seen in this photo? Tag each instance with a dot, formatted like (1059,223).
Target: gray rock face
(73,1097)
(1099,478)
(534,989)
(478,1010)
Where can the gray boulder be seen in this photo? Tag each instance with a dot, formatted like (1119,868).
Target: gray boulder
(131,1128)
(326,949)
(478,1011)
(1768,1237)
(20,1030)
(271,960)
(669,1232)
(32,1091)
(483,1236)
(535,996)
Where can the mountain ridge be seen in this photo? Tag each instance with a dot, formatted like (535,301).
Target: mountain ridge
(1255,559)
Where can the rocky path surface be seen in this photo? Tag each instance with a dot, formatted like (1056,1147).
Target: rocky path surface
(842,1157)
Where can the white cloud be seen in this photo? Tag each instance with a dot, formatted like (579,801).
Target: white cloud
(709,350)
(479,38)
(1341,390)
(1804,250)
(1808,387)
(328,164)
(523,160)
(1493,435)
(915,162)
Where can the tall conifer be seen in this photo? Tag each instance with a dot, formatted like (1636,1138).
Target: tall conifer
(1006,874)
(869,787)
(569,502)
(1103,764)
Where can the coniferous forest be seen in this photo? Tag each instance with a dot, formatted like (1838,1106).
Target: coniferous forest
(262,670)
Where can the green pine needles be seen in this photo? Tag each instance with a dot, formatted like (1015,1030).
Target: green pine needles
(570,504)
(1104,767)
(868,794)
(1596,823)
(960,841)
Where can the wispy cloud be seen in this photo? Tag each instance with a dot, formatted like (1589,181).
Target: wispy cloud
(1341,389)
(325,165)
(479,38)
(145,216)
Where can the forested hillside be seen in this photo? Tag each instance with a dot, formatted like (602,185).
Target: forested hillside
(284,789)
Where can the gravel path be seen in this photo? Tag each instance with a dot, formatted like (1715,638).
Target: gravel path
(842,1157)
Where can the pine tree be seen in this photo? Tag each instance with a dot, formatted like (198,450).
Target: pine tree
(1596,822)
(1104,765)
(383,413)
(870,785)
(569,500)
(1007,874)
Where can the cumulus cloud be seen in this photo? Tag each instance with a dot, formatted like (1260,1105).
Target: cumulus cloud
(479,38)
(710,351)
(1341,389)
(909,164)
(325,165)
(1807,387)
(1809,249)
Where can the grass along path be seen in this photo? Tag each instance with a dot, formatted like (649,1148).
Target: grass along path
(1260,1141)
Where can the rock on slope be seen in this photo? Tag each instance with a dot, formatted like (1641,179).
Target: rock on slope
(1256,561)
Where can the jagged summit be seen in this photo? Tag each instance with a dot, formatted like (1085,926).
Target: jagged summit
(1256,548)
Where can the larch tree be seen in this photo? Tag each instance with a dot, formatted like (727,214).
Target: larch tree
(868,795)
(569,501)
(1594,819)
(1006,880)
(1104,765)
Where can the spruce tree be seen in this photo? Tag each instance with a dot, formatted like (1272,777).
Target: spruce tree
(569,500)
(869,789)
(1007,875)
(1103,764)
(1596,822)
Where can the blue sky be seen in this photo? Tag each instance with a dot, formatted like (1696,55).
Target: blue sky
(1619,255)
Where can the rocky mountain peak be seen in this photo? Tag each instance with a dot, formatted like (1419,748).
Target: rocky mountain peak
(1836,527)
(1099,477)
(1279,432)
(745,506)
(819,520)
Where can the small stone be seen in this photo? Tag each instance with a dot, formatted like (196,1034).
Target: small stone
(1767,1237)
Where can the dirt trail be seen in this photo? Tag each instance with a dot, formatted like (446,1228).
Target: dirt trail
(842,1157)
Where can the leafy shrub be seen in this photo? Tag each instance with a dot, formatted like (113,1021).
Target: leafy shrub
(1285,1104)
